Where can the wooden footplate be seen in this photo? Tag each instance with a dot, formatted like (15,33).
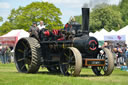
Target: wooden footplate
(94,62)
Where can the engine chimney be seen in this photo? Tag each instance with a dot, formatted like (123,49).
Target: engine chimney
(85,20)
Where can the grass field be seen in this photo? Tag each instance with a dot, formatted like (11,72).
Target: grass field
(10,76)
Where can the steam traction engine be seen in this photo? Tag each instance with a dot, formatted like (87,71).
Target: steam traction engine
(64,52)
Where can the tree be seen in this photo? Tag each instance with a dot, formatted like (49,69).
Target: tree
(124,10)
(1,19)
(107,17)
(78,19)
(23,17)
(6,27)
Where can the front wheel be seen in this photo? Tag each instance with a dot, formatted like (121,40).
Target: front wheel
(109,63)
(71,62)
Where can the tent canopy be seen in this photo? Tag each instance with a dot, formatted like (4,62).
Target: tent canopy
(100,34)
(13,36)
(123,30)
(120,35)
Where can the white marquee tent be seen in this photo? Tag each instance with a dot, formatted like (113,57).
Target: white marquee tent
(122,34)
(99,34)
(124,31)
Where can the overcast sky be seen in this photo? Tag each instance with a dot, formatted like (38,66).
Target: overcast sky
(67,7)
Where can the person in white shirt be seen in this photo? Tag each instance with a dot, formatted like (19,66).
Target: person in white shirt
(41,25)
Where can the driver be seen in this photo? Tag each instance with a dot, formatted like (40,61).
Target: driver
(34,31)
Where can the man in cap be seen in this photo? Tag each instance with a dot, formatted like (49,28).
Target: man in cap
(34,31)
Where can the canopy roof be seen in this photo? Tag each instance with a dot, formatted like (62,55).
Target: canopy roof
(13,36)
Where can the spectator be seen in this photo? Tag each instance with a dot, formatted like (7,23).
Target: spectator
(125,49)
(41,25)
(119,57)
(0,56)
(3,58)
(8,50)
(115,54)
(105,45)
(126,55)
(123,54)
(68,27)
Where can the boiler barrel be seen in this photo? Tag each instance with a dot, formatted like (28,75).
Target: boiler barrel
(86,44)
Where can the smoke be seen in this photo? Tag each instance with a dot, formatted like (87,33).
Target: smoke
(93,3)
(86,5)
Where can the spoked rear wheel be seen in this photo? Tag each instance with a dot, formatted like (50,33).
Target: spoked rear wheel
(71,62)
(27,55)
(109,63)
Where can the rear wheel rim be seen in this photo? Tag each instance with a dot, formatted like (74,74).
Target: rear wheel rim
(27,55)
(24,60)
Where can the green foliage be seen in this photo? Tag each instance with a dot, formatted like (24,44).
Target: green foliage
(23,17)
(78,19)
(104,16)
(124,10)
(1,19)
(5,27)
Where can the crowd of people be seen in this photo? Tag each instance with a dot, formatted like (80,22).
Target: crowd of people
(5,54)
(120,53)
